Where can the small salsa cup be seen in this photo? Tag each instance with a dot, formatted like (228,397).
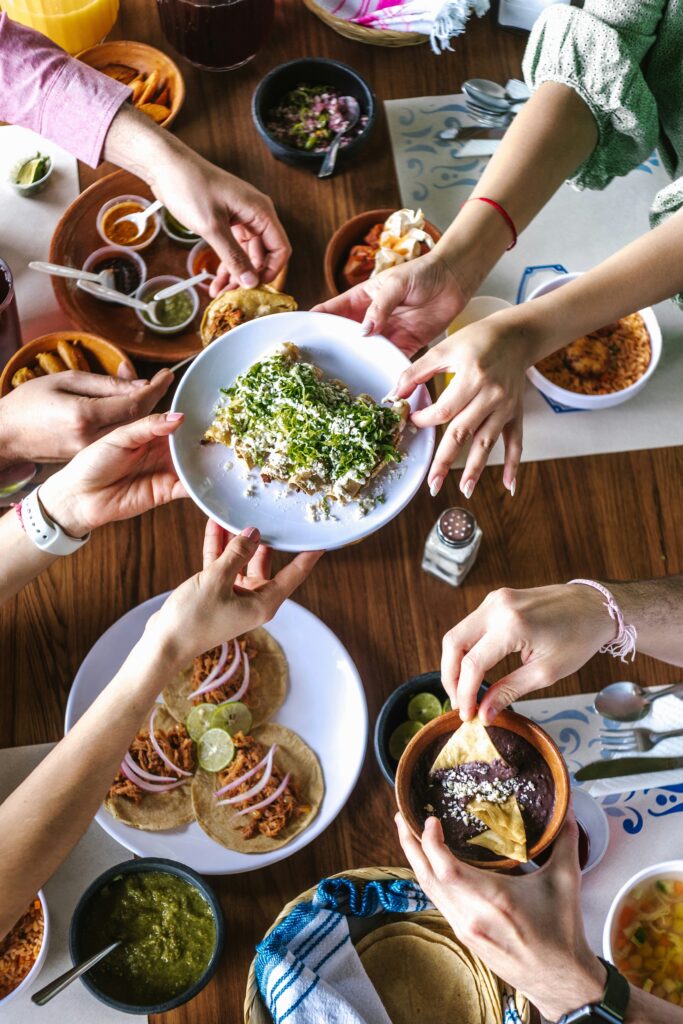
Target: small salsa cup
(195,252)
(143,204)
(155,284)
(114,250)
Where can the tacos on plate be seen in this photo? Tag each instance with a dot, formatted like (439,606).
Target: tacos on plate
(235,307)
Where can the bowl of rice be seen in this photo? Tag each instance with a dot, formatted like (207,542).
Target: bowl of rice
(24,949)
(602,369)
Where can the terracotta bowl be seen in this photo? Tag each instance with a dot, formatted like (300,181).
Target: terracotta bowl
(143,58)
(101,354)
(352,233)
(445,725)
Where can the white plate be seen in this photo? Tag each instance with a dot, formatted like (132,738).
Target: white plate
(325,706)
(368,365)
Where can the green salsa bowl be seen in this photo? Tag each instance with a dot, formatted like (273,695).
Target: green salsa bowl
(172,932)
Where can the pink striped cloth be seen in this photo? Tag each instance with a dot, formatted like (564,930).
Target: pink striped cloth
(43,88)
(438,19)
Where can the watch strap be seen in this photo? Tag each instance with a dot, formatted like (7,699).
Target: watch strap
(46,534)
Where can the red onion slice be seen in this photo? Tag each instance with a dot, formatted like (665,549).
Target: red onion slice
(247,775)
(269,799)
(243,688)
(147,786)
(263,781)
(155,743)
(137,770)
(213,680)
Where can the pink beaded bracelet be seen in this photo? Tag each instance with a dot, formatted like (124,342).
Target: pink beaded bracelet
(624,643)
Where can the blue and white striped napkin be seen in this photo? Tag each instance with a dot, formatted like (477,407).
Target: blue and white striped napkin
(308,970)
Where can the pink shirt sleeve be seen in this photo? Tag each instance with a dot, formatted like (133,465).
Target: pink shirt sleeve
(42,88)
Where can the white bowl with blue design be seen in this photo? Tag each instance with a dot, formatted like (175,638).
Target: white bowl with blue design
(568,401)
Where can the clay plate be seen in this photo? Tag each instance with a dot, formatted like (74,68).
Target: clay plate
(524,727)
(102,355)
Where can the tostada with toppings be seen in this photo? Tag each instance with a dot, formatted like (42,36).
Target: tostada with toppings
(251,670)
(491,789)
(266,795)
(151,789)
(284,417)
(238,306)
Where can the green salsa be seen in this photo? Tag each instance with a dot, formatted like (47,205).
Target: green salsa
(172,311)
(168,933)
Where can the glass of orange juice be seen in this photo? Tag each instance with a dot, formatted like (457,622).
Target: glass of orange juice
(72,24)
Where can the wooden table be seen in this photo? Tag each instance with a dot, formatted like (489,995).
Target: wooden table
(611,516)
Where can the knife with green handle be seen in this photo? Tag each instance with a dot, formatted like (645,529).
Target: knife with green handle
(627,766)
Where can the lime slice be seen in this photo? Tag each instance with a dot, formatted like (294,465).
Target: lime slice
(401,737)
(447,706)
(233,717)
(423,707)
(199,720)
(215,750)
(32,171)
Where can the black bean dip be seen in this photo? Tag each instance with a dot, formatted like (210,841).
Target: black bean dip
(126,273)
(521,771)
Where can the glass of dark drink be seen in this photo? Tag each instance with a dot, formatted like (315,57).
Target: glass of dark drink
(218,35)
(10,334)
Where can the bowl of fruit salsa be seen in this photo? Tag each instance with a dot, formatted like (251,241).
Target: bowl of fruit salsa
(643,933)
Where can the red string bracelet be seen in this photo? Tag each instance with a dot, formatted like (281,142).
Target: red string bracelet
(504,214)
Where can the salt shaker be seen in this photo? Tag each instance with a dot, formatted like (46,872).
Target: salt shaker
(452,546)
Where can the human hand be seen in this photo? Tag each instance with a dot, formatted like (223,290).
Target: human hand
(234,592)
(238,221)
(124,474)
(51,418)
(411,303)
(488,361)
(555,629)
(527,928)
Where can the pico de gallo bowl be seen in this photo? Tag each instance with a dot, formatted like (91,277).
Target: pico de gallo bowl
(643,934)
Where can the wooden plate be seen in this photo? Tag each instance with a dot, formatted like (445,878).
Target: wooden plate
(524,727)
(76,237)
(142,58)
(102,355)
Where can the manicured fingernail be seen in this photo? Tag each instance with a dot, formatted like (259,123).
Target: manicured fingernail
(251,533)
(140,383)
(124,372)
(367,327)
(173,417)
(467,488)
(435,486)
(249,279)
(513,488)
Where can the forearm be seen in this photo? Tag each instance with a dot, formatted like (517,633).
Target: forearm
(137,144)
(547,141)
(645,1009)
(655,608)
(21,560)
(45,817)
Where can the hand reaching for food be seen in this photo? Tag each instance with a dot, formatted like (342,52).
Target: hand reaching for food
(51,418)
(233,593)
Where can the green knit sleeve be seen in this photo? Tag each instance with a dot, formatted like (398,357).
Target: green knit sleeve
(597,51)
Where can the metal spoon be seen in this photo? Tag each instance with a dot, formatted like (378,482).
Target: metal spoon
(140,219)
(627,702)
(353,117)
(181,286)
(487,94)
(44,995)
(516,90)
(99,291)
(104,277)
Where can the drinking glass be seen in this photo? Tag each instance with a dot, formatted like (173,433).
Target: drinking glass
(10,333)
(72,24)
(217,35)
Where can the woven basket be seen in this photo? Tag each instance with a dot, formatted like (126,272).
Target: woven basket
(254,1010)
(362,34)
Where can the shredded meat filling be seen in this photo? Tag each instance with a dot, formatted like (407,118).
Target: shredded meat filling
(225,320)
(207,661)
(270,820)
(176,745)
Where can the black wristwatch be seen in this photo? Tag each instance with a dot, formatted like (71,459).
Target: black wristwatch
(612,1007)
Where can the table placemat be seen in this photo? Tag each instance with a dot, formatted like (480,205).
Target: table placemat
(90,857)
(575,229)
(646,823)
(27,225)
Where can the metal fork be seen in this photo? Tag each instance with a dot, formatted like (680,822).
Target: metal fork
(619,741)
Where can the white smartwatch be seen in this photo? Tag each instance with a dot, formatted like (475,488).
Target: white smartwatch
(45,534)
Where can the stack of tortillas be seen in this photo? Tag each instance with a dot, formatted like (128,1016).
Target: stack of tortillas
(423,974)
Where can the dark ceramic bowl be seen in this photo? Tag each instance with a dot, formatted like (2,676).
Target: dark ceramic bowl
(134,867)
(395,710)
(311,71)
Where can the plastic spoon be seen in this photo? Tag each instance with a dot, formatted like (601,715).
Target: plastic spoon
(99,291)
(181,286)
(104,277)
(353,117)
(140,219)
